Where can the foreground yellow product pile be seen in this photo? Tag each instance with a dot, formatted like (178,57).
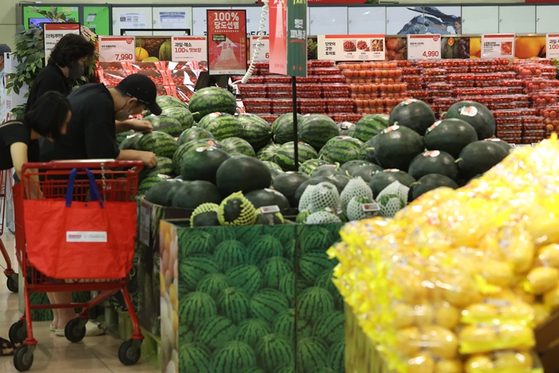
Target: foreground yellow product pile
(458,280)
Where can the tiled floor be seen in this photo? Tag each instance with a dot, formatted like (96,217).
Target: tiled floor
(57,354)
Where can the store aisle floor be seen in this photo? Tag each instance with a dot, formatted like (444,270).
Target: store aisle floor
(57,354)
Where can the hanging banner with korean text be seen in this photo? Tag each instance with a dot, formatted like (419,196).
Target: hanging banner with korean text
(53,32)
(288,37)
(189,48)
(227,42)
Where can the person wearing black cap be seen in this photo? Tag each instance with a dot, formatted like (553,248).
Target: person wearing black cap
(96,112)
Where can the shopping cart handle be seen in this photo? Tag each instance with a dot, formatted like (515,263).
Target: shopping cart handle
(83,163)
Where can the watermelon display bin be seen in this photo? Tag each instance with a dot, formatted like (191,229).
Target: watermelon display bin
(250,299)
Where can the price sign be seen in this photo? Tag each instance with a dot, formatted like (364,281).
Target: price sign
(53,32)
(116,49)
(351,47)
(227,42)
(424,47)
(189,48)
(552,46)
(263,48)
(497,46)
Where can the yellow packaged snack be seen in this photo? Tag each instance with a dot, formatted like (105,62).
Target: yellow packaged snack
(449,366)
(548,256)
(541,279)
(551,299)
(485,338)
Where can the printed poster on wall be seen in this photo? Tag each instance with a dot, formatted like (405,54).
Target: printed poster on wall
(227,42)
(497,46)
(53,32)
(288,37)
(351,47)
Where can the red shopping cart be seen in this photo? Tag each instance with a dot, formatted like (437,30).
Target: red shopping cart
(5,185)
(96,185)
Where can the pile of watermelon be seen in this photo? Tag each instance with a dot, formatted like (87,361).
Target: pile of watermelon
(207,152)
(238,305)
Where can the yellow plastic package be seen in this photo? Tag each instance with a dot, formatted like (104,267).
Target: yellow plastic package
(510,361)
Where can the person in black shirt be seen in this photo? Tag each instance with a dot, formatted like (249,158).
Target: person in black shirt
(97,116)
(66,64)
(47,118)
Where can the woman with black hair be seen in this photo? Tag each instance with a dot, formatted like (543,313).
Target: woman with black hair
(47,118)
(66,63)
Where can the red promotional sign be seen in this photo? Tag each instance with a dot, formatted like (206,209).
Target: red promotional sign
(278,38)
(227,42)
(53,32)
(335,2)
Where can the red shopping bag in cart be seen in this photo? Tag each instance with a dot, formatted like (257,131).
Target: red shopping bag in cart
(80,240)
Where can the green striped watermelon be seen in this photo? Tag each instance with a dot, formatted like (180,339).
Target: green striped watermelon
(210,100)
(194,241)
(131,141)
(341,149)
(163,123)
(251,331)
(330,327)
(234,357)
(317,129)
(282,128)
(196,307)
(202,163)
(370,125)
(285,156)
(164,167)
(309,166)
(160,143)
(268,152)
(287,286)
(246,277)
(263,247)
(272,166)
(274,269)
(324,280)
(194,269)
(162,193)
(215,332)
(275,350)
(314,238)
(229,254)
(165,101)
(192,145)
(256,130)
(311,264)
(150,181)
(194,133)
(181,115)
(267,304)
(223,234)
(336,357)
(222,125)
(120,137)
(213,284)
(194,357)
(285,370)
(233,303)
(236,145)
(313,303)
(312,355)
(284,325)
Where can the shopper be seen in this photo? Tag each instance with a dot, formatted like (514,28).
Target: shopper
(47,118)
(99,113)
(65,64)
(4,48)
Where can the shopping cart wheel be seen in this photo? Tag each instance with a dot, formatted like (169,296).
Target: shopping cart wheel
(23,358)
(129,352)
(18,332)
(75,330)
(12,283)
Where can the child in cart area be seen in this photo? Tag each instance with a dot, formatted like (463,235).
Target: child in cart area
(47,118)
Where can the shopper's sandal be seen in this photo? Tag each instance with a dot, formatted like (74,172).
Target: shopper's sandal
(7,348)
(52,328)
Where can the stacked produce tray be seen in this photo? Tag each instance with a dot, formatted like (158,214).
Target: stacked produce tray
(171,78)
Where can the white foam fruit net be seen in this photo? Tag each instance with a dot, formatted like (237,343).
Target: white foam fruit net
(355,188)
(360,208)
(322,217)
(392,199)
(319,197)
